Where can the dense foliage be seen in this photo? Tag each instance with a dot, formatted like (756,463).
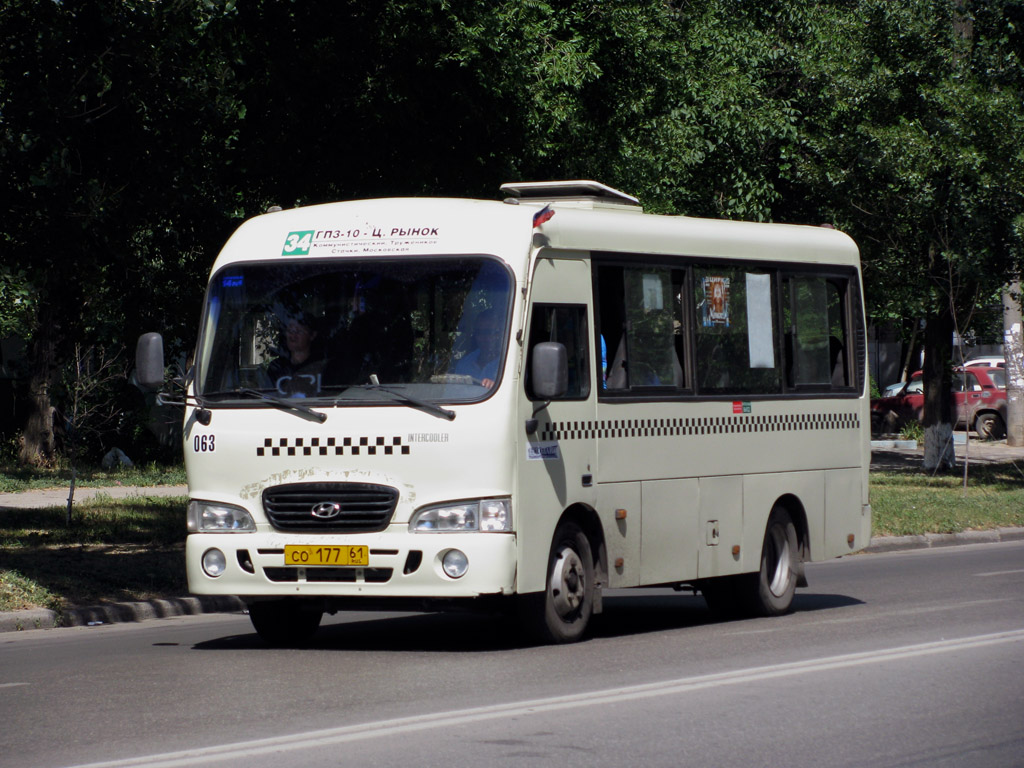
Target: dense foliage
(135,135)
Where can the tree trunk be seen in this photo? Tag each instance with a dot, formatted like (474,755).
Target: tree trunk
(938,392)
(1013,350)
(38,446)
(908,366)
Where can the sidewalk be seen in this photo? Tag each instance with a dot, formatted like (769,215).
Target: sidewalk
(58,497)
(884,456)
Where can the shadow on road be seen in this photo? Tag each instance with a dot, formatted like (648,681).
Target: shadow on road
(623,616)
(804,602)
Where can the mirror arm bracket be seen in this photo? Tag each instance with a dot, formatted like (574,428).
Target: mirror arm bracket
(203,415)
(531,423)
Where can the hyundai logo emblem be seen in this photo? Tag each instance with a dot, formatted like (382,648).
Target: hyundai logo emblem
(326,510)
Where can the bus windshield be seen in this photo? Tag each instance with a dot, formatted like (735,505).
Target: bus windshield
(342,330)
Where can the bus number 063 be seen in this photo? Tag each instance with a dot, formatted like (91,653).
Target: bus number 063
(203,443)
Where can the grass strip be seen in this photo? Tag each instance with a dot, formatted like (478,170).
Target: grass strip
(907,503)
(125,550)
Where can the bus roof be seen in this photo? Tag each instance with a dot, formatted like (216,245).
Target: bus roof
(446,226)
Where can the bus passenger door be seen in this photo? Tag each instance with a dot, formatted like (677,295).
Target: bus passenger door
(558,460)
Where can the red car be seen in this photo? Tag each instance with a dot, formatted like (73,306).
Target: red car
(979,397)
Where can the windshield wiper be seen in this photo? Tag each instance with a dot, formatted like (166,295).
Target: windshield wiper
(412,402)
(278,402)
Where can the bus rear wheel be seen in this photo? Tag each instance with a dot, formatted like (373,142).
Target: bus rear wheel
(285,623)
(564,611)
(769,592)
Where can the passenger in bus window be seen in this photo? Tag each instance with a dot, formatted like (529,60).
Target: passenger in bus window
(296,373)
(838,360)
(481,362)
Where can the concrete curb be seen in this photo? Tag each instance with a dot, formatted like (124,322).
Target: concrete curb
(118,613)
(932,540)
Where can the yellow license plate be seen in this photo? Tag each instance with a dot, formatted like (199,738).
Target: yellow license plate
(296,554)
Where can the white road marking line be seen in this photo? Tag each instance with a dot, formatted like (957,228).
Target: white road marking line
(1000,573)
(11,685)
(381,728)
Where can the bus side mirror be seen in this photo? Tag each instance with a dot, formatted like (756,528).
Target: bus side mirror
(149,362)
(549,370)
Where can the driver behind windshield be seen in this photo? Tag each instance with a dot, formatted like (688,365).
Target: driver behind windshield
(296,373)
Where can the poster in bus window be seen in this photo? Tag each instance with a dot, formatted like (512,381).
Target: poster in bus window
(716,301)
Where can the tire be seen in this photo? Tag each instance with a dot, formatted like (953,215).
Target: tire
(285,623)
(769,592)
(562,613)
(990,426)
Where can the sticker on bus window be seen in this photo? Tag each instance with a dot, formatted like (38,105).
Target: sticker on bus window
(653,292)
(716,301)
(760,340)
(543,452)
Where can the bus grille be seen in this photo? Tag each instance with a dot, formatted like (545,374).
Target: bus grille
(338,507)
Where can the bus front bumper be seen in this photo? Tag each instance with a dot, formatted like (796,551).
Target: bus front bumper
(400,564)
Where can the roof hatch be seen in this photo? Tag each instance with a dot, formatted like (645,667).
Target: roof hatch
(579,193)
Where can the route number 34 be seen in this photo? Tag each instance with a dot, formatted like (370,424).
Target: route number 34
(204,443)
(297,243)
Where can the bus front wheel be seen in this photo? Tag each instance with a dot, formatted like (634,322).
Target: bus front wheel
(563,613)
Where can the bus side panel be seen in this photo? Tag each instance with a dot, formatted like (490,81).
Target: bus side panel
(778,436)
(760,492)
(846,513)
(669,536)
(721,521)
(623,533)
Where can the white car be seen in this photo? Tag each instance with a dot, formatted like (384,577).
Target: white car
(986,362)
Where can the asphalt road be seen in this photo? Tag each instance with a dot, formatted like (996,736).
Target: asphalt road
(902,659)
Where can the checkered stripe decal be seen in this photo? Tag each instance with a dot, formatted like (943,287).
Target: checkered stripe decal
(715,425)
(333,446)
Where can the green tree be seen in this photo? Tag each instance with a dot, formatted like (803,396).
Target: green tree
(135,135)
(912,142)
(110,112)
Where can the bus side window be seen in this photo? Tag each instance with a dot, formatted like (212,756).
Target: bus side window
(650,328)
(567,325)
(640,328)
(736,330)
(611,324)
(816,337)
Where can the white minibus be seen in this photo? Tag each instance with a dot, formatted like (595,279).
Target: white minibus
(520,404)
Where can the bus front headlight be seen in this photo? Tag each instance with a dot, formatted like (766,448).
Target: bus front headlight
(488,515)
(213,517)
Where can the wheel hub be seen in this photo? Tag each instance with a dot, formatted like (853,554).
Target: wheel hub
(568,583)
(779,560)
